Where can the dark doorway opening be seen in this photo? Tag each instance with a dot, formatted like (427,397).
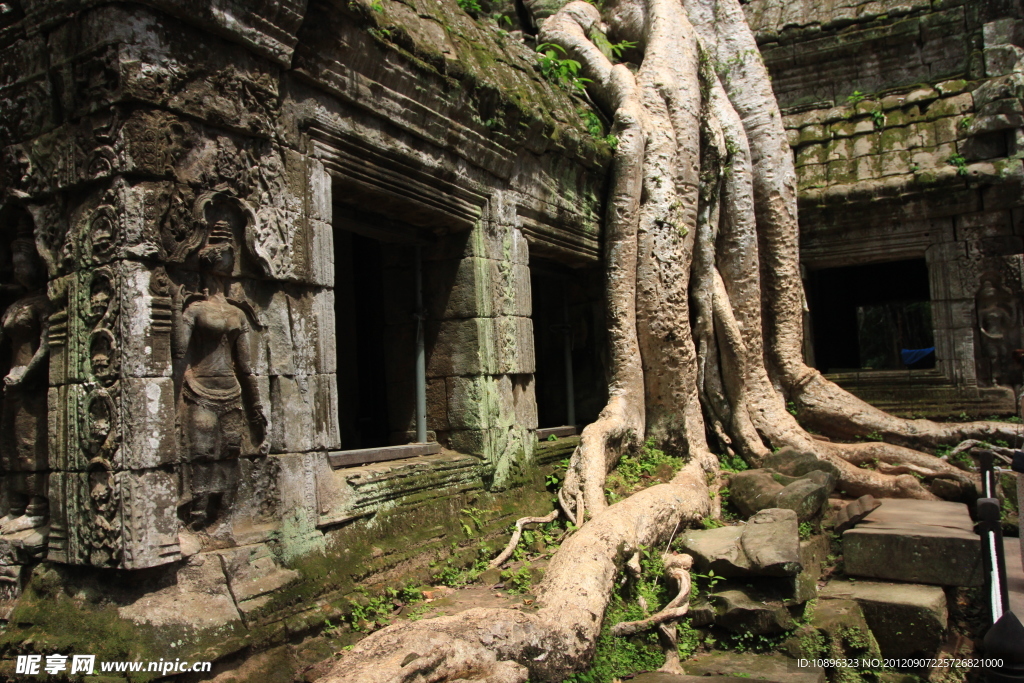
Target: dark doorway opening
(872,317)
(360,335)
(568,335)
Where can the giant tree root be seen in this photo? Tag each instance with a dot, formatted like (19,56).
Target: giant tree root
(508,645)
(677,568)
(705,313)
(517,534)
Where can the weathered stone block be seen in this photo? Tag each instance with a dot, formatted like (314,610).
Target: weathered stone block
(918,541)
(740,613)
(513,340)
(768,667)
(144,322)
(437,404)
(200,598)
(254,575)
(1002,59)
(149,425)
(304,411)
(524,398)
(812,175)
(105,519)
(907,620)
(838,629)
(321,253)
(975,226)
(460,347)
(470,441)
(866,144)
(303,479)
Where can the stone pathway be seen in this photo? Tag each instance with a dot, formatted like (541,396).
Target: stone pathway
(916,541)
(1014,575)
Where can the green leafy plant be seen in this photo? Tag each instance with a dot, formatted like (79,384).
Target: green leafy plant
(806,530)
(958,162)
(878,117)
(471,6)
(476,517)
(619,48)
(855,98)
(712,523)
(642,467)
(518,581)
(592,122)
(451,574)
(558,68)
(731,462)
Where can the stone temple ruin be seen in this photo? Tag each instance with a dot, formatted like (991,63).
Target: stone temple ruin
(272,270)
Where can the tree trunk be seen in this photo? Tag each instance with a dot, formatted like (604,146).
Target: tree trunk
(705,309)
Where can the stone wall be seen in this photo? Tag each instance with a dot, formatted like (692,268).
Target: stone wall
(905,121)
(179,172)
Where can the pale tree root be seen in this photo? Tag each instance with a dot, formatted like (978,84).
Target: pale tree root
(507,645)
(894,473)
(677,568)
(838,414)
(517,534)
(821,404)
(1004,454)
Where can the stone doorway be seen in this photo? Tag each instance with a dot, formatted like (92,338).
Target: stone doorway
(872,317)
(375,333)
(568,334)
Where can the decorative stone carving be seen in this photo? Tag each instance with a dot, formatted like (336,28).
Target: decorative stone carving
(997,323)
(221,412)
(23,425)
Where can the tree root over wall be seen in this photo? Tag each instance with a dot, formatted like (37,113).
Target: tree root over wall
(705,305)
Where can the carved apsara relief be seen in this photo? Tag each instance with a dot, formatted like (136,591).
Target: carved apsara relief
(23,421)
(998,314)
(221,410)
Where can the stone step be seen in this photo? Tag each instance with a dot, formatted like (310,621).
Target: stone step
(773,667)
(916,541)
(907,619)
(662,677)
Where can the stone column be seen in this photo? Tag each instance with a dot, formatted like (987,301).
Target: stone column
(479,318)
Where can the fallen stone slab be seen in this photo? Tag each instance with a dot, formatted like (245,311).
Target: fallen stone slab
(852,514)
(771,541)
(765,667)
(662,677)
(907,619)
(767,545)
(794,463)
(739,612)
(917,541)
(837,630)
(754,490)
(716,550)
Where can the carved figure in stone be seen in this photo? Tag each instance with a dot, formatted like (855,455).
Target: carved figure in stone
(23,425)
(221,408)
(103,535)
(996,321)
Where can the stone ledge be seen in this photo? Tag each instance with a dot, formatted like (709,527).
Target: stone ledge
(558,432)
(364,456)
(919,541)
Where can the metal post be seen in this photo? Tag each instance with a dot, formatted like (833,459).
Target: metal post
(570,391)
(990,529)
(421,356)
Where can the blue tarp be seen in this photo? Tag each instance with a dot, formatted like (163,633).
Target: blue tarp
(912,356)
